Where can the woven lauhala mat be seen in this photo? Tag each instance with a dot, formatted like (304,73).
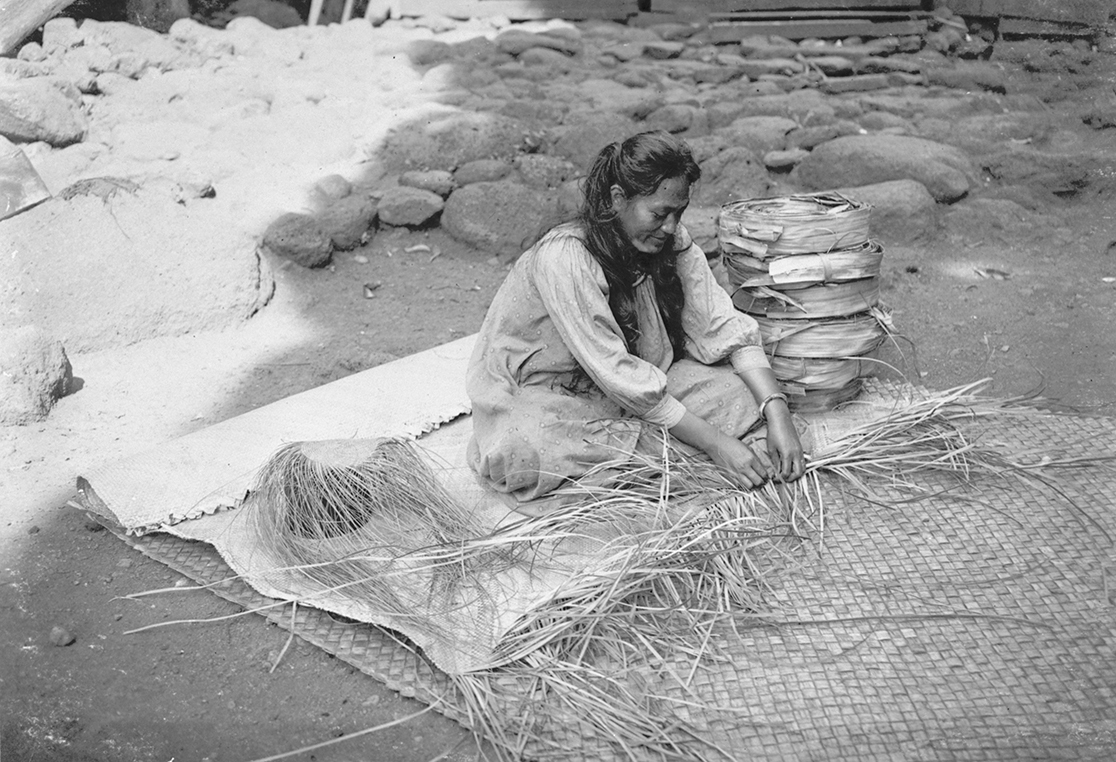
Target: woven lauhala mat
(977,624)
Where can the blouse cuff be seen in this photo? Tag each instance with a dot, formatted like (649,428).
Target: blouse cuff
(749,358)
(667,413)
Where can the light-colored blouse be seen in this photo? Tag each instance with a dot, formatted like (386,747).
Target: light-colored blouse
(554,388)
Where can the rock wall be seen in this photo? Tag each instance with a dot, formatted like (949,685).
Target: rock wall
(212,145)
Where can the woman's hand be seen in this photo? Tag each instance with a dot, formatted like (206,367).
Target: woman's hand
(783,445)
(750,467)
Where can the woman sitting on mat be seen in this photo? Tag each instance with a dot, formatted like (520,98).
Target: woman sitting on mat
(613,326)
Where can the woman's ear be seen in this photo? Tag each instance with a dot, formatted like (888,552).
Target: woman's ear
(619,198)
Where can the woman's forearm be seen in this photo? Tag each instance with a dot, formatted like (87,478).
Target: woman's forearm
(737,460)
(698,433)
(762,384)
(783,443)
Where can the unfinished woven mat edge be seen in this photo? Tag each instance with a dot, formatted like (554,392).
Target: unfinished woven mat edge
(407,680)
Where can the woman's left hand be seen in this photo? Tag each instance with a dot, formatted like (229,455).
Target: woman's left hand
(784,448)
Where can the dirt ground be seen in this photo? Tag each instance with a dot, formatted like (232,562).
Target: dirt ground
(1032,314)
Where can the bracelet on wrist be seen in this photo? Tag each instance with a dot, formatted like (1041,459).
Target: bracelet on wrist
(768,400)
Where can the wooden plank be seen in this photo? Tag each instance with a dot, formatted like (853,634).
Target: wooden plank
(19,18)
(804,15)
(20,185)
(798,30)
(1032,28)
(729,6)
(852,52)
(518,10)
(1070,11)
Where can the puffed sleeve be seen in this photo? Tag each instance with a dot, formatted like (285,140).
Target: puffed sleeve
(714,328)
(574,291)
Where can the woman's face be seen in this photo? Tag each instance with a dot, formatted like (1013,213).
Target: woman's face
(648,221)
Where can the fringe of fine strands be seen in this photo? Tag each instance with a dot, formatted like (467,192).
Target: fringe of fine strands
(370,520)
(615,652)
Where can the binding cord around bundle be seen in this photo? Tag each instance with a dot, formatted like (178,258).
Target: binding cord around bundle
(820,300)
(800,224)
(791,270)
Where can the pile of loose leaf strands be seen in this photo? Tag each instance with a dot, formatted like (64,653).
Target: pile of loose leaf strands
(689,556)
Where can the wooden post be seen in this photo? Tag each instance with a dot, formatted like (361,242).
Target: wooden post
(379,11)
(315,12)
(19,18)
(347,13)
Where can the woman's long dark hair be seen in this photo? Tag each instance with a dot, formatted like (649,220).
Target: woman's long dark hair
(637,166)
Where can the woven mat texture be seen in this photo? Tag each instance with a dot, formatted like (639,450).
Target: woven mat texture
(977,624)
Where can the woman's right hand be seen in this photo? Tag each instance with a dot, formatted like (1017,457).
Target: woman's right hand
(749,467)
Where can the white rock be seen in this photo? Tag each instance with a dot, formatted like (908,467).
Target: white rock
(134,48)
(33,52)
(34,373)
(35,109)
(61,34)
(80,77)
(252,37)
(440,78)
(109,83)
(116,266)
(333,187)
(207,41)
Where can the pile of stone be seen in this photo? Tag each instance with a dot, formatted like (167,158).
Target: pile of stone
(201,142)
(529,106)
(804,267)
